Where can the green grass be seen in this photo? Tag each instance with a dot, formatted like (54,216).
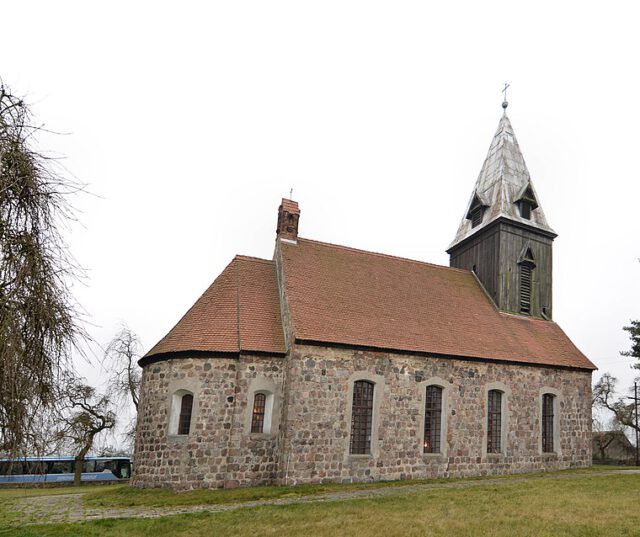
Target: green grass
(583,505)
(19,492)
(124,496)
(586,506)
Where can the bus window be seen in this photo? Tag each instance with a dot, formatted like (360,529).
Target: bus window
(60,467)
(89,466)
(35,468)
(124,470)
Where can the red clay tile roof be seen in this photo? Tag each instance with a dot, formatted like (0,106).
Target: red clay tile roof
(342,295)
(240,311)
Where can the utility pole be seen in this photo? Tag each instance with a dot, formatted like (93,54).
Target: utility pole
(635,415)
(635,402)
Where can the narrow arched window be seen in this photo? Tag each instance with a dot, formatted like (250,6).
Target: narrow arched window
(184,421)
(257,416)
(547,422)
(361,417)
(433,419)
(494,422)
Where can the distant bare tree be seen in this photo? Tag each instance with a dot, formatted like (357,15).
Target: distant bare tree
(86,415)
(39,321)
(121,361)
(605,396)
(605,434)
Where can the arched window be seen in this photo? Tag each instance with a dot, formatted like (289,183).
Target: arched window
(184,421)
(257,416)
(361,417)
(547,422)
(494,422)
(433,419)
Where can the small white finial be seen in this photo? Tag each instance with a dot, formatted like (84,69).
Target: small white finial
(291,194)
(505,103)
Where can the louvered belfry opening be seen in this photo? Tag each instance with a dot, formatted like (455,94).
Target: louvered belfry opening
(494,422)
(547,423)
(257,417)
(361,418)
(525,288)
(433,419)
(476,216)
(184,421)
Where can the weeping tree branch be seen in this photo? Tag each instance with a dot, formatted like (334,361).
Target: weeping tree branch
(39,320)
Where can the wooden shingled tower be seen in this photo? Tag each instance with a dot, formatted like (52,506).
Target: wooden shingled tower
(504,237)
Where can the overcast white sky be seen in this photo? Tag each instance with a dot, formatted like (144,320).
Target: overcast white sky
(191,120)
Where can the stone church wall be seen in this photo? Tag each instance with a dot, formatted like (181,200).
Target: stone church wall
(309,440)
(219,449)
(319,404)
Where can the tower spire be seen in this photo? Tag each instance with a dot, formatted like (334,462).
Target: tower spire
(504,237)
(503,185)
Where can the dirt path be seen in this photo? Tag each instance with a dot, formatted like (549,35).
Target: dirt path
(71,508)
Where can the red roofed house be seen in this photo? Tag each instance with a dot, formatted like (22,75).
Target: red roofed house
(329,363)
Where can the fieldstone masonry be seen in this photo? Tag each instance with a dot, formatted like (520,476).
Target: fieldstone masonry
(312,443)
(219,451)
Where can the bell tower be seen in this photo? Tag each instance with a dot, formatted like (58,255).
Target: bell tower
(504,237)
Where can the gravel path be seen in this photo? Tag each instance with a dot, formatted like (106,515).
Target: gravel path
(71,508)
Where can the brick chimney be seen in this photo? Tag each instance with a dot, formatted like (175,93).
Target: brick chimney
(288,216)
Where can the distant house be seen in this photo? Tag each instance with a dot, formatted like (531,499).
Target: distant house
(612,446)
(329,363)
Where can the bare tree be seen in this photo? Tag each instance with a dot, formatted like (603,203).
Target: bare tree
(121,360)
(605,396)
(39,321)
(86,415)
(605,434)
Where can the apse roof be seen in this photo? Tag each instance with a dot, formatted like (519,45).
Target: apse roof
(240,311)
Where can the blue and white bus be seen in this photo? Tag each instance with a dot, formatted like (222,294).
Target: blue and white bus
(57,469)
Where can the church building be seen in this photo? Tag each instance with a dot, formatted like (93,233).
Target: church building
(333,364)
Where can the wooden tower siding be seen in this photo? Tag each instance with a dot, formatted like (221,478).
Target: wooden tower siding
(494,252)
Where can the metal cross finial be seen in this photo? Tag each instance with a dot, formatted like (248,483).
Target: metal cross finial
(505,103)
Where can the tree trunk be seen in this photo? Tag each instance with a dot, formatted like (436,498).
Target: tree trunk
(77,474)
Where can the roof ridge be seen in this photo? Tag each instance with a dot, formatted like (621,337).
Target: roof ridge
(388,256)
(253,259)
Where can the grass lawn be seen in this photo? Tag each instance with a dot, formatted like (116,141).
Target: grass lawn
(587,505)
(124,496)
